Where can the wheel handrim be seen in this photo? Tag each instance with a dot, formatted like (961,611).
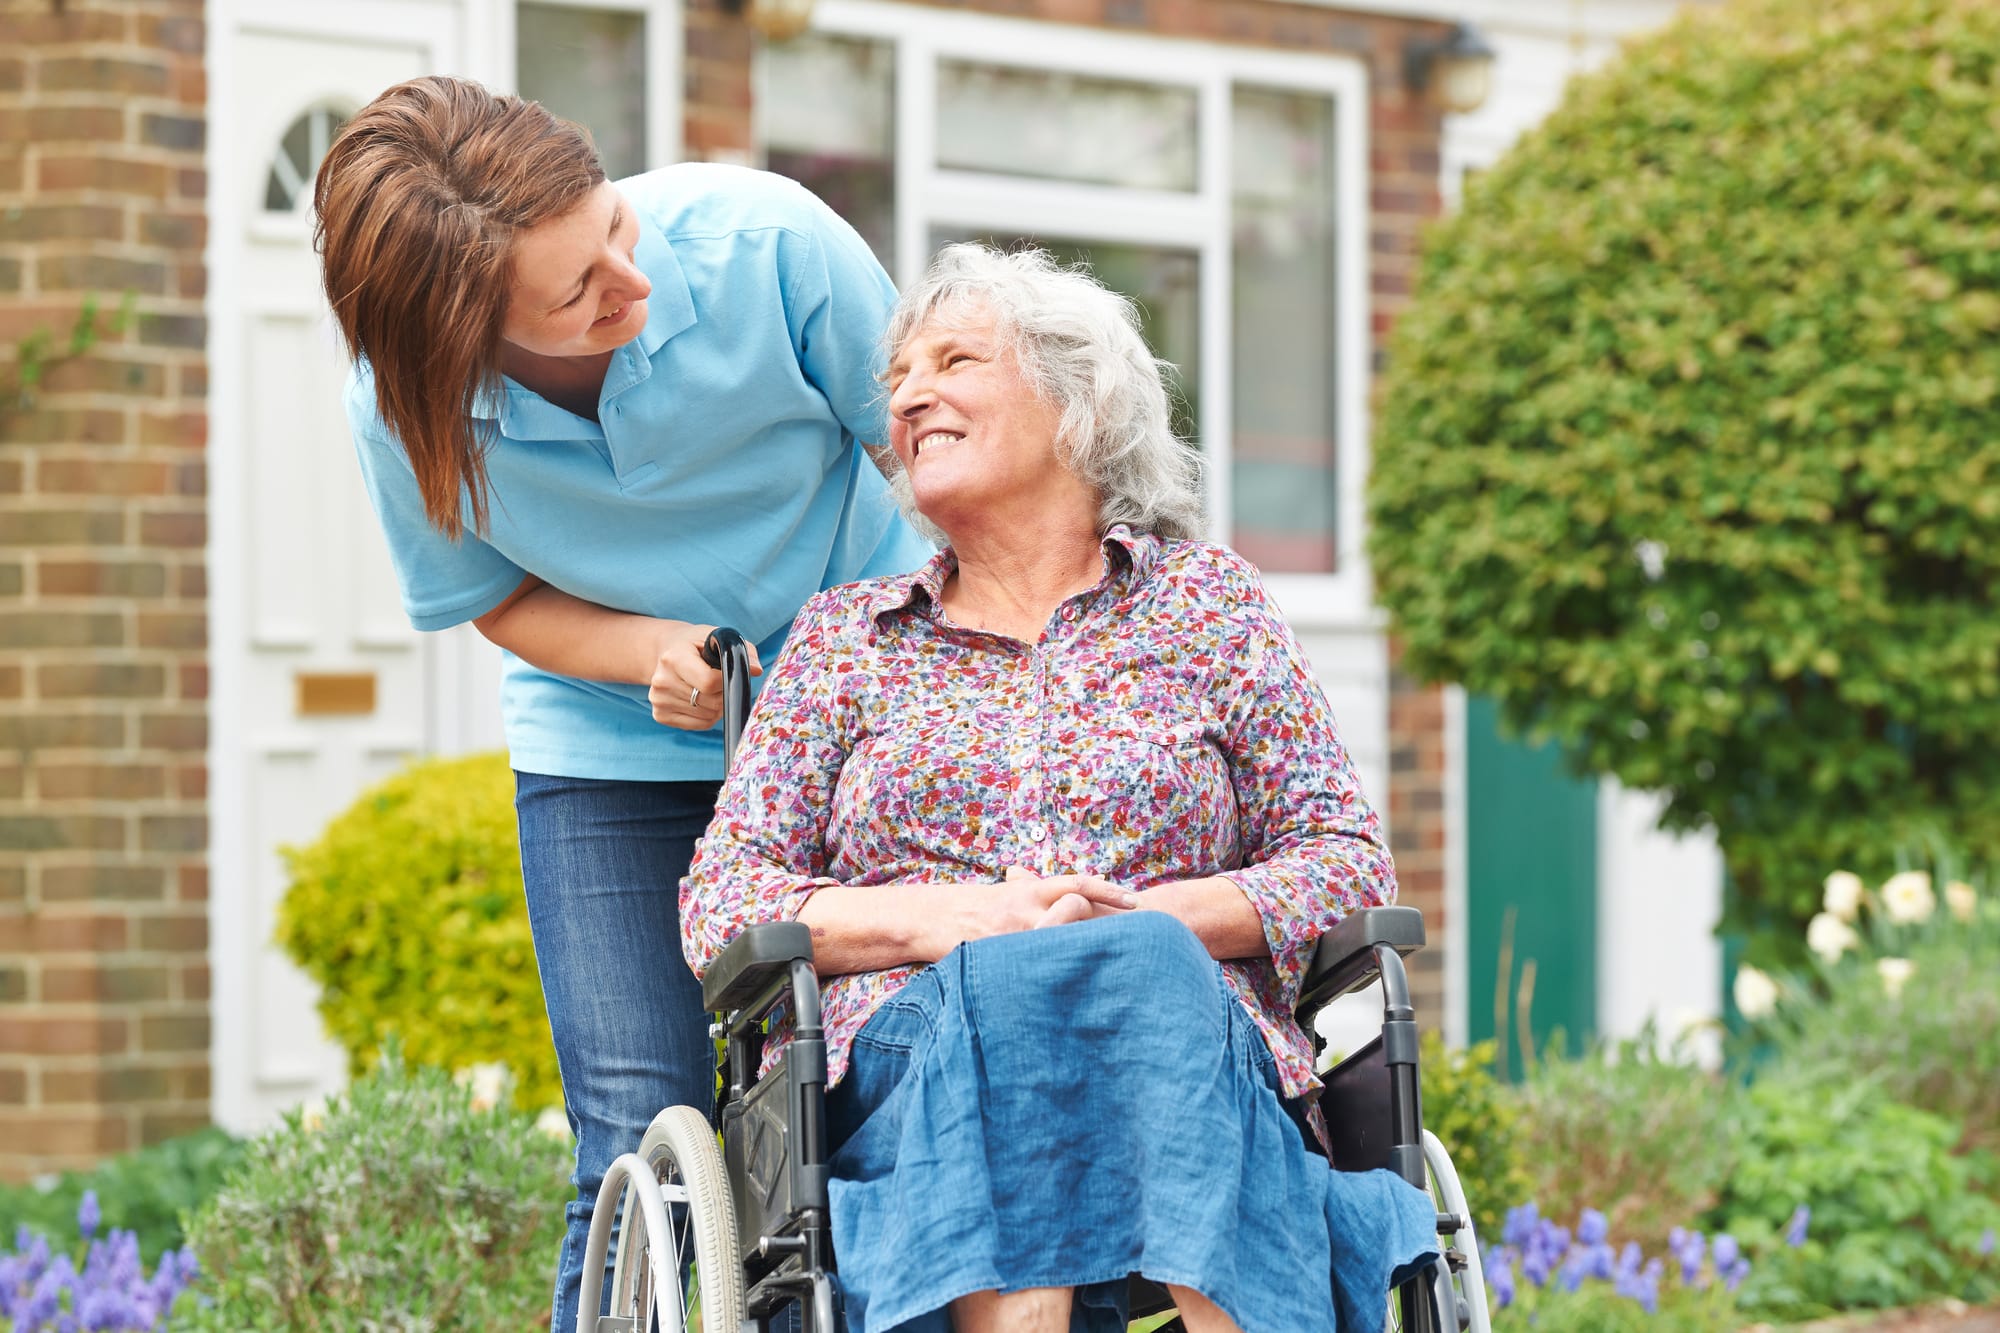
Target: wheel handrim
(667,1283)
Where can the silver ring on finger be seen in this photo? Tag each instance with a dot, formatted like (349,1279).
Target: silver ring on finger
(694,696)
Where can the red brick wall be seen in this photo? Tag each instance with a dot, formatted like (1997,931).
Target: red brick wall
(103,631)
(1403,172)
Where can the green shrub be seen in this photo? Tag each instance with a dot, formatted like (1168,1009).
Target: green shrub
(1896,1216)
(1477,1118)
(409,914)
(402,1207)
(148,1192)
(1686,453)
(1648,1140)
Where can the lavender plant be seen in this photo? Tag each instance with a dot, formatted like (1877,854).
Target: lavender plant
(411,1202)
(98,1286)
(1546,1277)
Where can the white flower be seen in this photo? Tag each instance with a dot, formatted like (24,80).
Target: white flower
(1843,894)
(1829,937)
(488,1083)
(1894,973)
(1962,901)
(553,1123)
(1756,994)
(1907,897)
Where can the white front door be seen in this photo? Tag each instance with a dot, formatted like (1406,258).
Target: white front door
(321,687)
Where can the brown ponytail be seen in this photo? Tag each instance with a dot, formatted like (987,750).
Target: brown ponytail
(416,209)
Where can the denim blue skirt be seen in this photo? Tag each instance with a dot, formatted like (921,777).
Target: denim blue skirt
(1066,1107)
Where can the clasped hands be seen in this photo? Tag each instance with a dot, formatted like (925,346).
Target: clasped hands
(1027,901)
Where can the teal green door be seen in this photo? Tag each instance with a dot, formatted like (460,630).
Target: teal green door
(1531,890)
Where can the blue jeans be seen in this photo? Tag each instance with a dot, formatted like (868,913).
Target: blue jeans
(603,861)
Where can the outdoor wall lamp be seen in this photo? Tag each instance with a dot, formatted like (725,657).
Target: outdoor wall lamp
(777,20)
(1456,69)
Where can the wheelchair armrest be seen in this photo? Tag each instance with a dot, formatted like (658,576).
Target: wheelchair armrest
(752,961)
(1344,959)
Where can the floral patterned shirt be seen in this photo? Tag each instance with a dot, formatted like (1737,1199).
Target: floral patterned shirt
(1165,726)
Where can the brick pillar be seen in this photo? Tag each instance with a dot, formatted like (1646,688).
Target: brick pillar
(1403,160)
(104,986)
(717,91)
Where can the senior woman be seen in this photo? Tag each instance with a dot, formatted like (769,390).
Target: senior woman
(1077,716)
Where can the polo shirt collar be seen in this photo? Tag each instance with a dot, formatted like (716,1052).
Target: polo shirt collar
(670,309)
(1125,553)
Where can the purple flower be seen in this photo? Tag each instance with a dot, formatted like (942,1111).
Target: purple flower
(1501,1277)
(88,1214)
(1643,1285)
(1592,1227)
(1795,1230)
(1730,1265)
(1986,1241)
(1520,1224)
(42,1292)
(108,1308)
(1535,1264)
(41,1306)
(1687,1247)
(1629,1259)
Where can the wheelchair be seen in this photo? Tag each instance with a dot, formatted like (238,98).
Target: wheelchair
(721,1221)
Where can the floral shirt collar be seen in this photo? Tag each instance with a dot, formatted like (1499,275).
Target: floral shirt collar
(1127,555)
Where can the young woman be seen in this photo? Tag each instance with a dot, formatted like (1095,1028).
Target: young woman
(596,420)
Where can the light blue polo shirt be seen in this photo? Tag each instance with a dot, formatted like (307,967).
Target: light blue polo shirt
(723,487)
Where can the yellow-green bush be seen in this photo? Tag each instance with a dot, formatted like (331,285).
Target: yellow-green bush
(408,913)
(1478,1119)
(1687,452)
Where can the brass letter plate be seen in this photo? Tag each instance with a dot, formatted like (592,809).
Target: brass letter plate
(336,694)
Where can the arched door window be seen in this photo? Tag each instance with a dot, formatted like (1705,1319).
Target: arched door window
(298,155)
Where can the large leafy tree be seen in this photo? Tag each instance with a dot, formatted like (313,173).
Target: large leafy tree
(1689,450)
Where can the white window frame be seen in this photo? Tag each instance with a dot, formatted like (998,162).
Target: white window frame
(928,196)
(664,38)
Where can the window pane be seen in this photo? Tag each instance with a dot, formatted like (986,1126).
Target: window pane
(828,112)
(298,157)
(1031,122)
(589,66)
(1166,285)
(1283,479)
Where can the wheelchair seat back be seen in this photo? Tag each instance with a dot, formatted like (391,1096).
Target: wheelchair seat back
(1360,1123)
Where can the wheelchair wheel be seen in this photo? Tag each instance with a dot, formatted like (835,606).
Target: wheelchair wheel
(676,1268)
(1452,1296)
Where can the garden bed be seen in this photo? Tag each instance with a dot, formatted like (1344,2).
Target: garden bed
(1946,1317)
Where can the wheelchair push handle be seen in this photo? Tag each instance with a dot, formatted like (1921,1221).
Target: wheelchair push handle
(726,651)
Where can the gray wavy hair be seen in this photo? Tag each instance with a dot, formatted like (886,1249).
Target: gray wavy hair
(1078,346)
